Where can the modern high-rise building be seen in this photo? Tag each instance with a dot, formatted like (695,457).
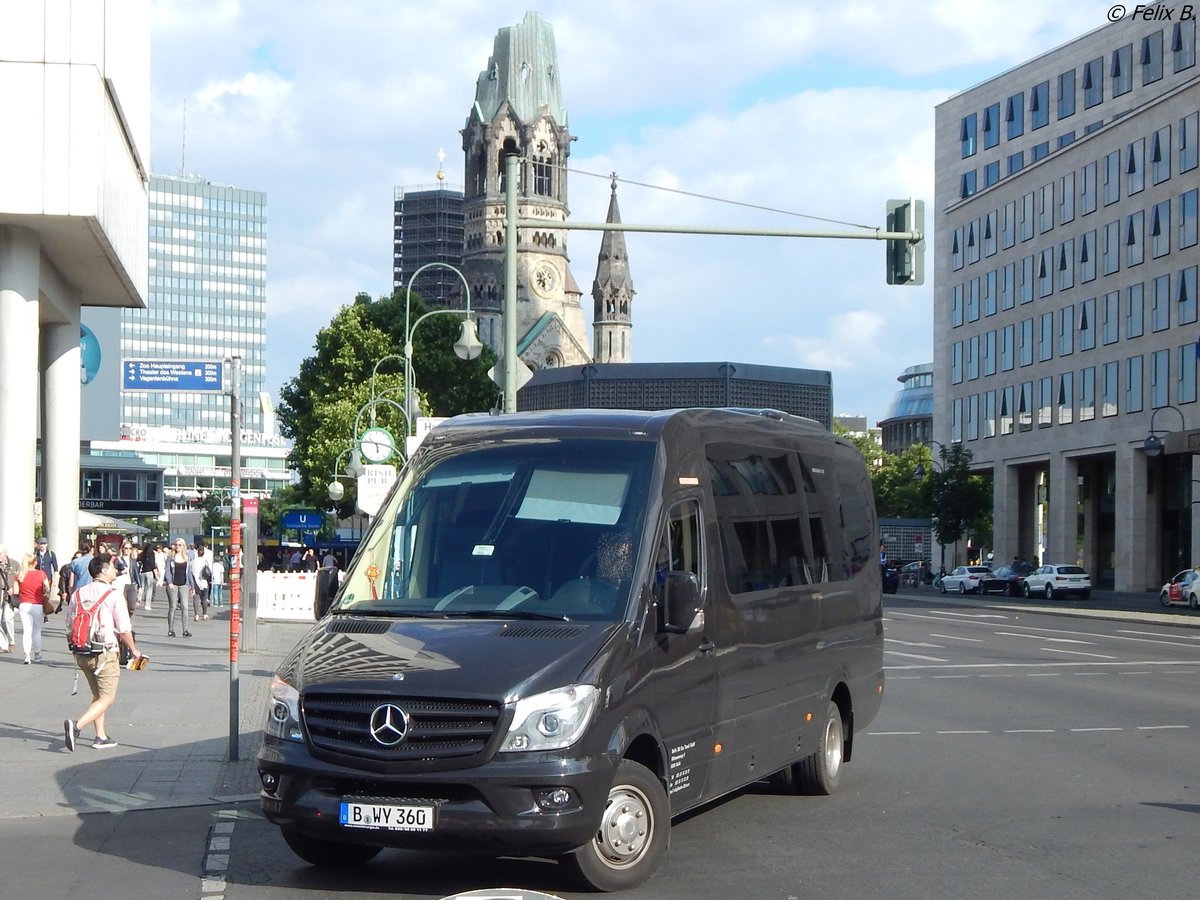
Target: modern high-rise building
(208,302)
(1066,309)
(428,228)
(909,418)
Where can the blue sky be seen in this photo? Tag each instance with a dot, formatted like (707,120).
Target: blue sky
(816,108)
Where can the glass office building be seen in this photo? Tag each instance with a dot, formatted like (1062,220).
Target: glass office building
(1065,312)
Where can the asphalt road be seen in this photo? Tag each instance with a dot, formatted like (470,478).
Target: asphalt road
(1018,754)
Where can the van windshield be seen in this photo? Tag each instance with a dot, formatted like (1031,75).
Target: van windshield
(521,529)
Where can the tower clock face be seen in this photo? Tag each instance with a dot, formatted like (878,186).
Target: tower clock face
(544,279)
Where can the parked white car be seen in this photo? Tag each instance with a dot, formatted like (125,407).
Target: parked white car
(965,579)
(1053,582)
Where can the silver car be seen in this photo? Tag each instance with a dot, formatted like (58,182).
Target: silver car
(1053,582)
(965,579)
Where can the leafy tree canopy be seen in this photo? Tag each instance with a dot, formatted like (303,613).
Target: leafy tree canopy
(321,407)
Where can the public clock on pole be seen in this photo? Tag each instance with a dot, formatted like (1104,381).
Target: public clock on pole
(377,444)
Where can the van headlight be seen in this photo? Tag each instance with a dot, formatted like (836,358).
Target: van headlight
(283,715)
(552,720)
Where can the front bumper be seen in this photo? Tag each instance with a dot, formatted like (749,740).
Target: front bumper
(492,807)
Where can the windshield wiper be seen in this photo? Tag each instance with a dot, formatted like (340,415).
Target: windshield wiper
(388,613)
(503,614)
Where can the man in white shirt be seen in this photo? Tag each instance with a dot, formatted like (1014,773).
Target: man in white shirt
(102,670)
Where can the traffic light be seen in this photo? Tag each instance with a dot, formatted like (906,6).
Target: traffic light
(906,259)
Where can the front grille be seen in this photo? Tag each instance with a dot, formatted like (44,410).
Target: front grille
(438,729)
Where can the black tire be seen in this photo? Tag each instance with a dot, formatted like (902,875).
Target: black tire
(1049,591)
(1026,591)
(942,585)
(1164,599)
(962,588)
(634,833)
(820,773)
(325,853)
(1194,603)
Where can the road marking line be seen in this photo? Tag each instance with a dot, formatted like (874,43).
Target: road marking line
(892,733)
(1084,730)
(1161,727)
(951,637)
(915,656)
(911,643)
(1029,731)
(951,676)
(1158,634)
(1077,653)
(963,732)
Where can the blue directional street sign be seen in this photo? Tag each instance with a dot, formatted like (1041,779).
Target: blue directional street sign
(172,375)
(303,519)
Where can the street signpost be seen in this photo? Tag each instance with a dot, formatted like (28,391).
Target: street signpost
(173,375)
(303,520)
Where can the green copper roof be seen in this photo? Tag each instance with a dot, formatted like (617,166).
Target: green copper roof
(523,69)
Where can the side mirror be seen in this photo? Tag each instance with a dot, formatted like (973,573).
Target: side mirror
(327,585)
(679,598)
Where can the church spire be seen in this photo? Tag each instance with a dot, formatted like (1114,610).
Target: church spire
(612,292)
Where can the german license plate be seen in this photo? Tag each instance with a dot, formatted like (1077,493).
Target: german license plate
(387,817)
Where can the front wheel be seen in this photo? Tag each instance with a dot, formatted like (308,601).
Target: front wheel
(633,835)
(1164,599)
(325,853)
(942,585)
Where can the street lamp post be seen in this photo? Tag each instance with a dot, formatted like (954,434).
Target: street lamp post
(466,347)
(1153,444)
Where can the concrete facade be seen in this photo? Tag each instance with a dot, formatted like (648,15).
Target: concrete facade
(1065,303)
(75,79)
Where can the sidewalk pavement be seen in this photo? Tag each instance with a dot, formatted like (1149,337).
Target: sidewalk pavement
(1118,605)
(171,720)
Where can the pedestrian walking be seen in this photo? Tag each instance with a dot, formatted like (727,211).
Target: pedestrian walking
(101,669)
(199,581)
(8,602)
(79,567)
(129,576)
(33,587)
(218,581)
(178,588)
(148,563)
(47,561)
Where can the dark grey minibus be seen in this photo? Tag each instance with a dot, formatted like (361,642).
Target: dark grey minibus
(565,628)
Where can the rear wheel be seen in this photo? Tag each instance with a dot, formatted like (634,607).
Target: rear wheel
(1049,591)
(1193,603)
(633,834)
(1026,591)
(820,773)
(326,853)
(962,587)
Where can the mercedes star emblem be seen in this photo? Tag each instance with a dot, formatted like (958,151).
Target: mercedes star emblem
(389,725)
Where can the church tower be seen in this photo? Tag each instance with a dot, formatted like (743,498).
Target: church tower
(612,292)
(519,109)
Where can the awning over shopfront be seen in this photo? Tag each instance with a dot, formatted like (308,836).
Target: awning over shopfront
(94,521)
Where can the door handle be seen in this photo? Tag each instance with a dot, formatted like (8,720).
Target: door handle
(706,647)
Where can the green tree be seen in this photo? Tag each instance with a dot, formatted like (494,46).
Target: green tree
(961,502)
(319,406)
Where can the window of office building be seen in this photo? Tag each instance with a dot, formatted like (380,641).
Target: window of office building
(1041,151)
(1160,155)
(991,126)
(973,300)
(1006,410)
(956,362)
(1160,229)
(1066,198)
(1185,296)
(1087,256)
(989,293)
(988,354)
(1066,398)
(1039,106)
(1066,264)
(1087,192)
(1027,214)
(1185,387)
(956,306)
(956,419)
(1152,58)
(1111,323)
(1008,225)
(1007,342)
(1045,401)
(1045,272)
(1066,94)
(1093,83)
(1025,406)
(973,240)
(1045,337)
(1133,384)
(1135,238)
(1121,70)
(969,135)
(1160,303)
(988,422)
(1189,142)
(989,234)
(1135,310)
(1008,274)
(969,184)
(1025,350)
(1187,218)
(1045,208)
(1066,330)
(1135,167)
(1016,162)
(1087,394)
(1109,385)
(957,257)
(1064,140)
(1112,177)
(1087,324)
(1014,115)
(1160,377)
(991,173)
(973,358)
(1110,258)
(1025,283)
(973,417)
(1183,44)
